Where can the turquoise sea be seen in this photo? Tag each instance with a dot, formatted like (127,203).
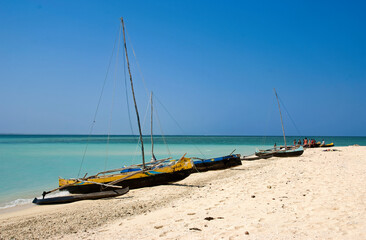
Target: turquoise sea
(30,164)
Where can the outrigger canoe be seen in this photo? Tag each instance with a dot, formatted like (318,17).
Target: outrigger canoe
(157,174)
(229,161)
(280,152)
(292,152)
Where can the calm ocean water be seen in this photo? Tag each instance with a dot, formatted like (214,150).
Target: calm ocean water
(31,164)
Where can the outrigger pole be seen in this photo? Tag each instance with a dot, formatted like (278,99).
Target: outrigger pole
(283,129)
(133,94)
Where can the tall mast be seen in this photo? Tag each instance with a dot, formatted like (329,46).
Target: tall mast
(152,139)
(133,94)
(283,129)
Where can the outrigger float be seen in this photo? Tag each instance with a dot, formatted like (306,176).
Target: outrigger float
(74,198)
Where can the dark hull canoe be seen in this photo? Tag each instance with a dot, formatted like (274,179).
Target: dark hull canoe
(148,181)
(289,153)
(229,161)
(79,197)
(264,153)
(293,152)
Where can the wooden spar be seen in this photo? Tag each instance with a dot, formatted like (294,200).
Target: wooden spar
(232,151)
(283,129)
(133,94)
(152,139)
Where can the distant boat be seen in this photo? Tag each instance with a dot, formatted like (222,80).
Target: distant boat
(280,152)
(327,145)
(224,162)
(137,176)
(318,144)
(286,151)
(289,152)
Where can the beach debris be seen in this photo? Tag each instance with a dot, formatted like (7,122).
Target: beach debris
(195,229)
(220,217)
(253,196)
(246,233)
(273,199)
(209,218)
(191,213)
(158,227)
(331,150)
(269,186)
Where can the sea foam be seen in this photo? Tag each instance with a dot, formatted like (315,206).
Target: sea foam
(21,201)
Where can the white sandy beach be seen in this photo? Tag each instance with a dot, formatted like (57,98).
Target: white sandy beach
(318,195)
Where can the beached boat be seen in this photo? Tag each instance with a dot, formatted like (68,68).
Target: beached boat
(268,153)
(137,176)
(224,162)
(289,152)
(79,197)
(286,151)
(318,144)
(131,177)
(327,145)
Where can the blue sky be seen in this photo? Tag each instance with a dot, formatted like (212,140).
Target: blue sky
(213,64)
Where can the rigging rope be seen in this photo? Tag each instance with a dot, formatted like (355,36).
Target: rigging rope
(126,94)
(293,122)
(147,92)
(162,134)
(98,104)
(138,65)
(176,122)
(112,107)
(145,85)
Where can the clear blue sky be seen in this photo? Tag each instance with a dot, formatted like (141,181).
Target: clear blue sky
(213,64)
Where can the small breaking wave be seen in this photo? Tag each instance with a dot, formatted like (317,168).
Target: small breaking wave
(22,201)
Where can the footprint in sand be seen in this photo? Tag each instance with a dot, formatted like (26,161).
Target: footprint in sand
(238,227)
(163,234)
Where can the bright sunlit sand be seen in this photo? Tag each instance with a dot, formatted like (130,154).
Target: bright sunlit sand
(317,195)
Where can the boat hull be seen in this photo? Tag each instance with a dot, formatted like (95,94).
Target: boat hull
(217,163)
(289,153)
(328,145)
(74,198)
(152,180)
(264,154)
(280,153)
(178,170)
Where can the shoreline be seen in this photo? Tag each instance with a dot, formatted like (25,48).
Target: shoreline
(319,194)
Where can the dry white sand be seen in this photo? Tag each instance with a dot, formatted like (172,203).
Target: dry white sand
(318,195)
